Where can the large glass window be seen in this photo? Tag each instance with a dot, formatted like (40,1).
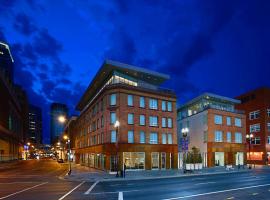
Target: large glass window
(218,136)
(113,136)
(153,138)
(170,138)
(155,160)
(228,119)
(169,106)
(229,137)
(254,128)
(170,125)
(130,137)
(238,137)
(142,137)
(113,99)
(130,118)
(142,120)
(163,105)
(153,104)
(134,160)
(164,138)
(254,114)
(153,121)
(164,122)
(113,117)
(237,122)
(142,102)
(218,119)
(130,100)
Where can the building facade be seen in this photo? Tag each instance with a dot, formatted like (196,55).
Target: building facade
(215,127)
(131,96)
(6,61)
(35,125)
(256,105)
(57,127)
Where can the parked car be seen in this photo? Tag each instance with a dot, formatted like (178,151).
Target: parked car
(60,160)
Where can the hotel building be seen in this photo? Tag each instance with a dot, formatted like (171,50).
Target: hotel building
(256,105)
(132,98)
(215,127)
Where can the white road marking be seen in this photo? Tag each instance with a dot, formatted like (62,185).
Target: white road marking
(205,183)
(230,198)
(97,193)
(91,188)
(255,193)
(120,196)
(71,191)
(216,192)
(23,190)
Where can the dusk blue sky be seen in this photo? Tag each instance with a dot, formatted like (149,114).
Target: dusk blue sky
(204,45)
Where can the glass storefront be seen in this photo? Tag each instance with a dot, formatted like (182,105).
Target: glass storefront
(163,160)
(155,160)
(134,160)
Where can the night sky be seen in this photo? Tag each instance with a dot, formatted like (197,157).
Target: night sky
(206,46)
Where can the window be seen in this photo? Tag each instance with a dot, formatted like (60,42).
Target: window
(170,123)
(163,105)
(268,112)
(254,128)
(130,118)
(228,119)
(164,138)
(130,100)
(238,137)
(238,122)
(163,121)
(142,120)
(113,136)
(113,100)
(169,106)
(155,160)
(153,138)
(130,137)
(268,139)
(268,126)
(153,121)
(218,136)
(229,137)
(142,102)
(153,104)
(169,138)
(218,119)
(254,115)
(256,140)
(102,121)
(97,123)
(134,160)
(113,117)
(142,137)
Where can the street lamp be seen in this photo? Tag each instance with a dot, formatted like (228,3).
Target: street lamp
(249,138)
(65,137)
(116,126)
(62,119)
(184,132)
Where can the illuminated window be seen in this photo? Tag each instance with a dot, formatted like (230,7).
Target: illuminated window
(268,112)
(229,137)
(218,119)
(113,117)
(142,102)
(153,121)
(113,136)
(130,118)
(164,122)
(130,100)
(169,106)
(268,126)
(218,136)
(142,120)
(169,138)
(164,138)
(170,125)
(113,99)
(130,137)
(254,128)
(153,138)
(237,122)
(153,104)
(238,137)
(163,105)
(142,137)
(228,119)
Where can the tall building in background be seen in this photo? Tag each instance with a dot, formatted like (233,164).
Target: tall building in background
(145,137)
(35,125)
(6,60)
(215,127)
(256,105)
(57,128)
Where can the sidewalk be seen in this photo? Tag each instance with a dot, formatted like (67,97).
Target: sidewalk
(81,173)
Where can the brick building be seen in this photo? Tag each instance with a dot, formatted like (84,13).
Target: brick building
(215,127)
(256,105)
(146,137)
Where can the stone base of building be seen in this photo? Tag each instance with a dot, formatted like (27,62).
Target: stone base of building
(112,157)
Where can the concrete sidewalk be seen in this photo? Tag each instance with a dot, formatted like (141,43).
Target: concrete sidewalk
(81,173)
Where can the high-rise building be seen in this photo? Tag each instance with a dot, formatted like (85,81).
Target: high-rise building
(211,123)
(35,125)
(256,105)
(126,118)
(57,127)
(6,60)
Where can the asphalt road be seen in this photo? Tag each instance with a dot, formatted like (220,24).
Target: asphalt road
(38,180)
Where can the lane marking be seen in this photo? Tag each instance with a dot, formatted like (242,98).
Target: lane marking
(91,188)
(230,198)
(97,193)
(23,190)
(205,183)
(216,192)
(120,196)
(71,191)
(255,193)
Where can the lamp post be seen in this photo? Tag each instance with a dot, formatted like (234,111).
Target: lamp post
(69,153)
(184,132)
(116,126)
(249,138)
